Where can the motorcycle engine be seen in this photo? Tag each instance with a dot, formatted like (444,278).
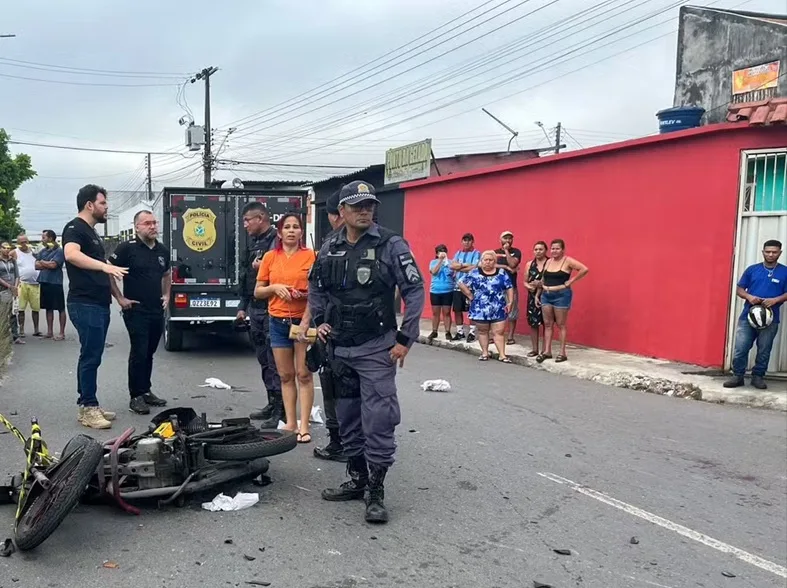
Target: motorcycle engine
(154,464)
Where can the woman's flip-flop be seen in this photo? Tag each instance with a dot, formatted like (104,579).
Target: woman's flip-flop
(560,358)
(483,358)
(301,437)
(532,354)
(505,360)
(542,356)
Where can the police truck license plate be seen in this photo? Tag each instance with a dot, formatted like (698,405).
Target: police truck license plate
(204,303)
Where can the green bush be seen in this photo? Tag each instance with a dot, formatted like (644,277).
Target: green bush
(5,334)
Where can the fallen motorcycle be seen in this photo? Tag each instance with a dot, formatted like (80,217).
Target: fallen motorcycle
(182,453)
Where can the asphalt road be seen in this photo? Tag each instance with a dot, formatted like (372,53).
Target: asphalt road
(481,496)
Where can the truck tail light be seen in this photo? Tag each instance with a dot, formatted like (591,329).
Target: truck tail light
(176,279)
(181,301)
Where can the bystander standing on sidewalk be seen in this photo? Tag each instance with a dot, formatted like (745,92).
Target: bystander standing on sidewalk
(441,291)
(508,259)
(465,260)
(9,289)
(50,277)
(146,293)
(763,284)
(29,288)
(89,298)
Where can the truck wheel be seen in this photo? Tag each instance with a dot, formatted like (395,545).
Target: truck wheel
(173,336)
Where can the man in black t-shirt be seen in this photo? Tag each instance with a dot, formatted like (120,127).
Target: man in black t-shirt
(90,293)
(146,292)
(509,258)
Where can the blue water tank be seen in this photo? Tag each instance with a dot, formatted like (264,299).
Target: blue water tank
(679,118)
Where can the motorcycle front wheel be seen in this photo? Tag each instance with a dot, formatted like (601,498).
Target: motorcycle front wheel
(44,510)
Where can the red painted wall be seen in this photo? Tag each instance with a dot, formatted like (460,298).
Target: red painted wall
(653,219)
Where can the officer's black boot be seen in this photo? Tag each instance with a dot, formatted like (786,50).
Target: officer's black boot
(276,414)
(375,495)
(354,488)
(334,450)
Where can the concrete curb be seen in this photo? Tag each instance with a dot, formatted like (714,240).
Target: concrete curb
(686,386)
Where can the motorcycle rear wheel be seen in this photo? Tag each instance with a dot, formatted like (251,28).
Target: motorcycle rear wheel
(69,477)
(259,443)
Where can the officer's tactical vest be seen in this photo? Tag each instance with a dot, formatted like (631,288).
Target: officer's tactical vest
(360,290)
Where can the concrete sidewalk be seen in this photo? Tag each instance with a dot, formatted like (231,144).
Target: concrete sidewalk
(630,371)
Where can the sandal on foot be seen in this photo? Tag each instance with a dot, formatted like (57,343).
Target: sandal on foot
(532,354)
(505,360)
(511,341)
(560,358)
(302,437)
(542,356)
(483,358)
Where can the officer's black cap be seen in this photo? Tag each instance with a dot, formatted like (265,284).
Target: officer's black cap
(357,192)
(332,203)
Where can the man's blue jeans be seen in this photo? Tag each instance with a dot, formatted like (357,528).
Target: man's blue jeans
(745,336)
(91,322)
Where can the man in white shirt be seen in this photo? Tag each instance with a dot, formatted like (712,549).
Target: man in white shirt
(29,288)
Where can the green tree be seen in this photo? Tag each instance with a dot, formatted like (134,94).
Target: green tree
(14,171)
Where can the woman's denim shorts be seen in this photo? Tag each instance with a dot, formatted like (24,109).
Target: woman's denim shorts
(558,299)
(280,332)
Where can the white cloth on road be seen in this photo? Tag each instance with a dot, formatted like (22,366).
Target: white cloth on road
(239,502)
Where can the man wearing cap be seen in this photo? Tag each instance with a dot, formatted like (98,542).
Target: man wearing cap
(465,260)
(351,297)
(509,258)
(261,239)
(333,451)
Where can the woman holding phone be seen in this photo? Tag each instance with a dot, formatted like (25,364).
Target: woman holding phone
(283,280)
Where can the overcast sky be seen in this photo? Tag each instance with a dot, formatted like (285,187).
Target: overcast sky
(601,73)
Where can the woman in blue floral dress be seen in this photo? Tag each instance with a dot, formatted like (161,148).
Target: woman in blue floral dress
(491,296)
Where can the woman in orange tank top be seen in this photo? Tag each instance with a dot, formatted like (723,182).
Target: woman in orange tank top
(283,280)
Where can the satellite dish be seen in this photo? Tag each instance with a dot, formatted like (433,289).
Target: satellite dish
(233,184)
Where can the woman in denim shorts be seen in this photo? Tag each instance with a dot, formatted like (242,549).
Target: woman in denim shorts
(283,280)
(557,295)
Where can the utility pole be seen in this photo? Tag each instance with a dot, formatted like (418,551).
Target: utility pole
(557,138)
(207,159)
(150,180)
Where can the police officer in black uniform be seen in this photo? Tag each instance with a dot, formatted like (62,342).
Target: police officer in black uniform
(146,293)
(352,300)
(262,238)
(333,451)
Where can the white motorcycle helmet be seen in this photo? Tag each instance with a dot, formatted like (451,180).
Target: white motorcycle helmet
(760,317)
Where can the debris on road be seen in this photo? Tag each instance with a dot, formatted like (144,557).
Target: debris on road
(728,575)
(8,548)
(110,564)
(199,396)
(436,386)
(223,502)
(228,542)
(215,383)
(634,541)
(257,583)
(249,557)
(537,584)
(562,551)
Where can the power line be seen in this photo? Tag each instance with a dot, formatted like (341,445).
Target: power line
(4,75)
(307,94)
(93,149)
(85,72)
(355,91)
(103,71)
(451,73)
(524,71)
(321,166)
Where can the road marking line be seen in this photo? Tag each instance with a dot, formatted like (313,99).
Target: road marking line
(749,558)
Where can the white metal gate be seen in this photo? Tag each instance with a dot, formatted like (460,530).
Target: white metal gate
(762,215)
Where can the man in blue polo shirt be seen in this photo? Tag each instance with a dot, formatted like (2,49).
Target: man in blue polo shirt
(763,283)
